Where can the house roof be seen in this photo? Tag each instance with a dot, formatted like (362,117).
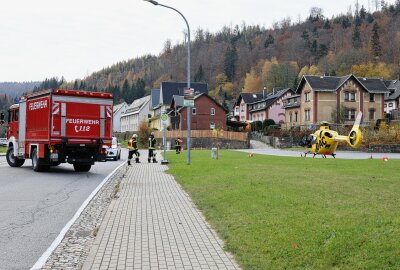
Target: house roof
(117,107)
(394,87)
(251,98)
(373,85)
(137,104)
(155,97)
(169,89)
(270,99)
(333,83)
(323,83)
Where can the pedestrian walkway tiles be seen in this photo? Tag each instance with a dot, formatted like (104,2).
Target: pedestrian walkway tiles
(155,225)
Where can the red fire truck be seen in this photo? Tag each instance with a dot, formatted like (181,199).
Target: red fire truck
(58,126)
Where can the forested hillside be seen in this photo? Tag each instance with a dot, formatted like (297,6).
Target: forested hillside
(249,57)
(17,88)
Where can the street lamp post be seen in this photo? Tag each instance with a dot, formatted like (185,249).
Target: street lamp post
(188,73)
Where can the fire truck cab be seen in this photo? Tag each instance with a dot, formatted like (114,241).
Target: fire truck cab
(59,126)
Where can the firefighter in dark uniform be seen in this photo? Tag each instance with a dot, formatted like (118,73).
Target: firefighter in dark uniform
(133,149)
(152,147)
(178,145)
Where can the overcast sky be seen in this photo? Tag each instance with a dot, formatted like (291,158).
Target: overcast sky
(73,38)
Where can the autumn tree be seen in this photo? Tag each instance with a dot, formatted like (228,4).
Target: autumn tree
(252,82)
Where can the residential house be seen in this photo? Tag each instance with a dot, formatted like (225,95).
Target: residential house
(392,99)
(117,111)
(206,114)
(335,99)
(154,115)
(270,107)
(167,91)
(241,108)
(137,112)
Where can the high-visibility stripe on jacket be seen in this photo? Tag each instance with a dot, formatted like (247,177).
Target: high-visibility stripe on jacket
(152,143)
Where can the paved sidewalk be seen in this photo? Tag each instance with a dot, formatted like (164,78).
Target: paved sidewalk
(155,225)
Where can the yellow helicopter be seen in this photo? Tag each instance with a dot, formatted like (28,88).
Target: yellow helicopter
(325,141)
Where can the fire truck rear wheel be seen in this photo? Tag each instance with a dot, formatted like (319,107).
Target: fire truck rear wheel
(12,160)
(37,167)
(82,167)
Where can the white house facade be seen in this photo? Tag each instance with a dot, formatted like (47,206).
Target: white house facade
(118,110)
(137,112)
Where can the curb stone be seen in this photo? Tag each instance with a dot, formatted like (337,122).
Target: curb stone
(73,250)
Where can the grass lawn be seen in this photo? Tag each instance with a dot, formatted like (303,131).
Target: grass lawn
(298,213)
(3,149)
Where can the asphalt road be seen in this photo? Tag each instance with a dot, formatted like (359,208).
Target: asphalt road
(34,207)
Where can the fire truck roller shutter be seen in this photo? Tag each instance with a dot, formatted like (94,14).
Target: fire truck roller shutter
(102,121)
(63,116)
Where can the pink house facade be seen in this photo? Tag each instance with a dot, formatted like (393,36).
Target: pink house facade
(270,107)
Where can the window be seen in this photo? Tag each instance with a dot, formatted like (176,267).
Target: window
(371,114)
(212,125)
(307,96)
(193,111)
(290,117)
(371,97)
(385,105)
(390,105)
(350,114)
(307,115)
(212,111)
(16,115)
(295,116)
(349,96)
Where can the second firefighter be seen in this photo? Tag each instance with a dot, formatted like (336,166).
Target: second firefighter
(152,147)
(133,149)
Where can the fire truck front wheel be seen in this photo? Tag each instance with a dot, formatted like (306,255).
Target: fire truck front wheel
(37,167)
(12,160)
(82,167)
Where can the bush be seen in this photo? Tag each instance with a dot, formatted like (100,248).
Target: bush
(256,126)
(267,122)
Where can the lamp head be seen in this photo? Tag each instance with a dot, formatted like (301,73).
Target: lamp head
(152,1)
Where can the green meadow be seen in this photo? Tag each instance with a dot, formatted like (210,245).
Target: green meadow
(298,213)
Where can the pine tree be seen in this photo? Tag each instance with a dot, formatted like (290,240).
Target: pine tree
(356,38)
(140,87)
(126,89)
(230,59)
(199,75)
(375,49)
(76,85)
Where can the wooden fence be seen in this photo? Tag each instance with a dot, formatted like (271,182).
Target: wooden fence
(227,135)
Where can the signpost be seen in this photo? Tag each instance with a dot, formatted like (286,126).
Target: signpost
(164,122)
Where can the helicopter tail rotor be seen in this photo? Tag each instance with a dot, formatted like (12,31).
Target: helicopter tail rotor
(355,136)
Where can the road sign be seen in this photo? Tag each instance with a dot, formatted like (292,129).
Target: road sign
(188,103)
(164,118)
